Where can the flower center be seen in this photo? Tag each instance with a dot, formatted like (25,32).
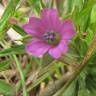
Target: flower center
(52,38)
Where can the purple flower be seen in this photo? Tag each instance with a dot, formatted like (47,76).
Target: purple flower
(49,33)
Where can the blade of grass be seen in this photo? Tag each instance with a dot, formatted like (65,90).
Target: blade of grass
(21,74)
(19,69)
(9,12)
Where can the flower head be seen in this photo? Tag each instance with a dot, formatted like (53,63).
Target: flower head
(49,33)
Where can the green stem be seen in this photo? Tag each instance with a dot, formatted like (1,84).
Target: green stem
(21,74)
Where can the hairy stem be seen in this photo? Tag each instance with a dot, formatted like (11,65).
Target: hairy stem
(51,89)
(80,68)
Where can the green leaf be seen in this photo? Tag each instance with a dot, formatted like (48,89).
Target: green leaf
(35,4)
(42,4)
(17,49)
(90,36)
(60,6)
(82,84)
(82,17)
(47,59)
(19,30)
(4,64)
(91,76)
(6,89)
(83,47)
(71,91)
(93,14)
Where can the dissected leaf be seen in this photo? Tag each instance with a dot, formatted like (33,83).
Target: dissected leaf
(6,89)
(13,50)
(4,64)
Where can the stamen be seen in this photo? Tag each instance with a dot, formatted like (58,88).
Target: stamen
(51,37)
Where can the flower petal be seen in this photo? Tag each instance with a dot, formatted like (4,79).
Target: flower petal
(63,46)
(33,27)
(28,29)
(56,52)
(37,47)
(51,20)
(67,29)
